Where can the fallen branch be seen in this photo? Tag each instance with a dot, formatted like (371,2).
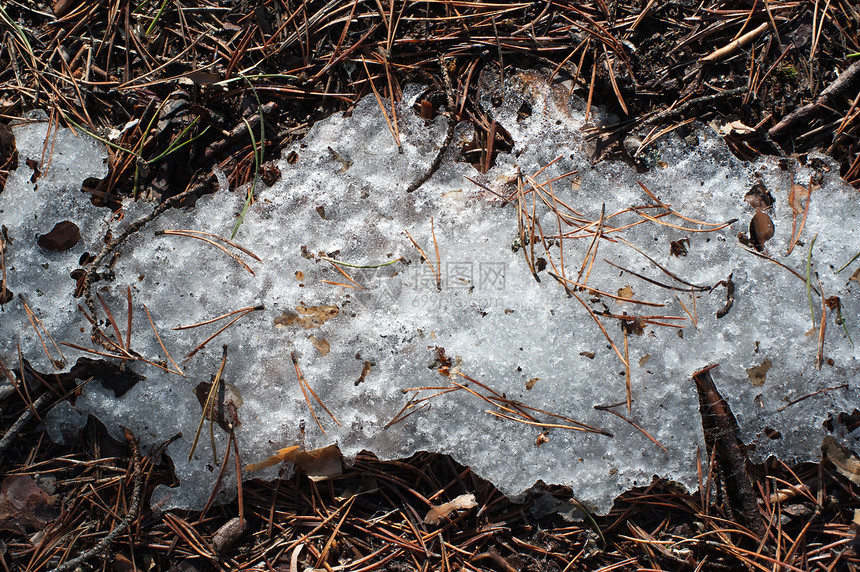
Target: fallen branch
(845,80)
(126,522)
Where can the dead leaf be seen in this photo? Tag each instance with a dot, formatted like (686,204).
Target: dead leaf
(24,506)
(437,513)
(796,196)
(62,237)
(758,197)
(856,276)
(845,460)
(679,247)
(308,316)
(761,229)
(286,455)
(626,293)
(737,127)
(121,563)
(321,344)
(319,464)
(644,359)
(365,369)
(758,374)
(224,411)
(531,383)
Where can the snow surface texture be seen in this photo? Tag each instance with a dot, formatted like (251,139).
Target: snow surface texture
(496,323)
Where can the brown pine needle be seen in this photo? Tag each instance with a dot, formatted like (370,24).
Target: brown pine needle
(345,275)
(112,321)
(217,237)
(350,286)
(781,265)
(796,237)
(819,359)
(210,338)
(438,262)
(129,315)
(394,133)
(693,318)
(652,136)
(305,387)
(208,241)
(23,390)
(208,408)
(522,214)
(436,275)
(160,343)
(540,424)
(602,329)
(627,381)
(37,323)
(391,97)
(613,81)
(591,253)
(205,322)
(402,414)
(94,352)
(684,228)
(601,293)
(679,215)
(665,270)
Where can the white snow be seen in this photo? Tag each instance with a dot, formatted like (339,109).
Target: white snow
(496,323)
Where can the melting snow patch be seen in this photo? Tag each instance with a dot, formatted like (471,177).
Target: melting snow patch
(485,316)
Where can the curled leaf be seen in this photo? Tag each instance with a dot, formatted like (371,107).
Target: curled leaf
(437,513)
(318,464)
(761,229)
(62,237)
(796,196)
(845,460)
(758,197)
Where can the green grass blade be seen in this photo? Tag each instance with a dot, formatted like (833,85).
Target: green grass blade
(258,159)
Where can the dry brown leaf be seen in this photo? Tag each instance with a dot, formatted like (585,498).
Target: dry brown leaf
(758,374)
(758,197)
(845,460)
(308,316)
(287,455)
(24,506)
(856,276)
(62,237)
(224,410)
(738,127)
(796,196)
(321,344)
(319,464)
(761,229)
(626,293)
(462,502)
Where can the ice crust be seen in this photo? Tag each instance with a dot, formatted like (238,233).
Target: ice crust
(495,322)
